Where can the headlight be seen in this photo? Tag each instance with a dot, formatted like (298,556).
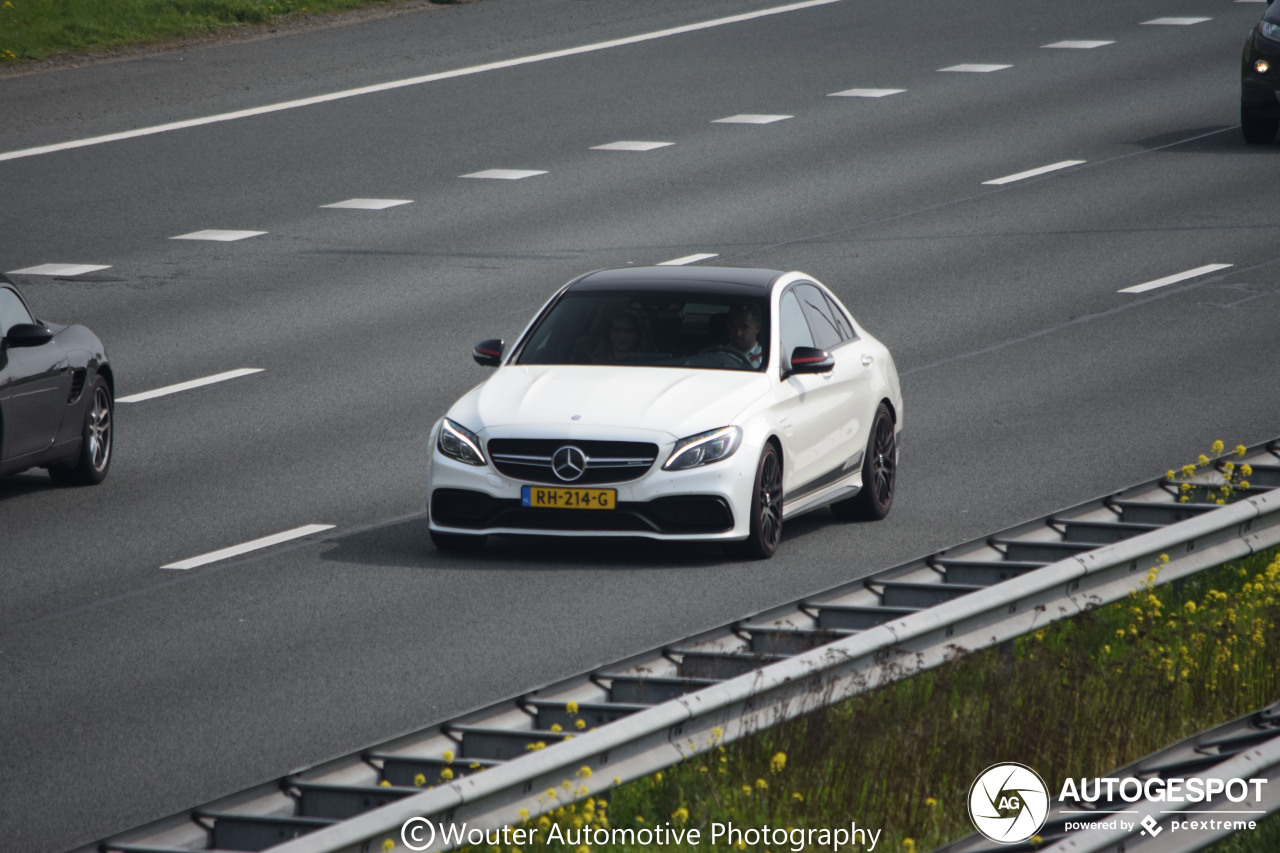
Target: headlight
(704,448)
(1270,30)
(458,442)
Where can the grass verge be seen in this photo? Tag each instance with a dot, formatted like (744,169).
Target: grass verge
(39,29)
(1077,699)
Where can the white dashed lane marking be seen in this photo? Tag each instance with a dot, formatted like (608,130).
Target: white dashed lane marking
(631,146)
(1079,44)
(1175,22)
(245,548)
(60,269)
(1031,173)
(687,259)
(504,174)
(219,236)
(1174,279)
(187,386)
(866,93)
(975,68)
(750,118)
(369,203)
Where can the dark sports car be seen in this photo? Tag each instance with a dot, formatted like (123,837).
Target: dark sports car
(1260,80)
(57,396)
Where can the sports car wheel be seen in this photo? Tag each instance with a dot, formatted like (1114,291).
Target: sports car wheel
(1258,129)
(766,509)
(879,473)
(457,541)
(91,463)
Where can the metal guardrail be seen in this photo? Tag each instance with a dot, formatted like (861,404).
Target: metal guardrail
(625,721)
(1247,748)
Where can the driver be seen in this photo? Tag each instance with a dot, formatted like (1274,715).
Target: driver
(743,331)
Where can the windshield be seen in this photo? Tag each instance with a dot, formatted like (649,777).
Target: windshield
(655,329)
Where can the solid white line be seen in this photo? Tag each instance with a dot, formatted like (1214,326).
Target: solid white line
(413,81)
(187,386)
(687,259)
(1176,22)
(1174,279)
(256,544)
(63,270)
(368,203)
(1031,173)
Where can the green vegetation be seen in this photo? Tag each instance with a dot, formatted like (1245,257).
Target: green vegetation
(38,29)
(1077,699)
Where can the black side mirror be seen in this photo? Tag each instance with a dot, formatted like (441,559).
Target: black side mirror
(811,360)
(488,353)
(27,335)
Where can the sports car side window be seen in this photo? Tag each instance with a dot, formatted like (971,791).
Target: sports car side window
(792,327)
(12,311)
(842,322)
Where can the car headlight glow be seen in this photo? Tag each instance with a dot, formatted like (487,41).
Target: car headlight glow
(1270,30)
(458,442)
(704,448)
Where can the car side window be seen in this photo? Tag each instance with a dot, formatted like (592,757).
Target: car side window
(826,333)
(792,327)
(842,321)
(12,311)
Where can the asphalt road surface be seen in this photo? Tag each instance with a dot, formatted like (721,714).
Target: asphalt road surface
(1032,380)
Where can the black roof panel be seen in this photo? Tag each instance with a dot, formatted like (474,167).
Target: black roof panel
(724,280)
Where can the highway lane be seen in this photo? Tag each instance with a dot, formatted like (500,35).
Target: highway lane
(138,691)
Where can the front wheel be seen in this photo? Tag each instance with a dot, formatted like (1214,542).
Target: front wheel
(879,473)
(1258,129)
(766,509)
(89,466)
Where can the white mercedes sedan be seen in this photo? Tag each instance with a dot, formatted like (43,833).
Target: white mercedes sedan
(679,403)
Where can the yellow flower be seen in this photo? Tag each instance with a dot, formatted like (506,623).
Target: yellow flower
(1202,460)
(579,724)
(1241,450)
(387,844)
(448,756)
(680,815)
(797,796)
(385,784)
(1216,448)
(584,772)
(778,762)
(761,784)
(930,802)
(908,844)
(419,780)
(571,708)
(446,775)
(523,814)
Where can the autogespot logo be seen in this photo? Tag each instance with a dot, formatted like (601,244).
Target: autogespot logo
(1008,803)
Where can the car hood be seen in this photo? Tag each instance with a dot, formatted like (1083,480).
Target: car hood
(583,398)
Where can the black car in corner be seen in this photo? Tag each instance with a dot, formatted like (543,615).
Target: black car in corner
(1260,80)
(57,396)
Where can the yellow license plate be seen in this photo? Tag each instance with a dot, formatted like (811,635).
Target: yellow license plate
(556,498)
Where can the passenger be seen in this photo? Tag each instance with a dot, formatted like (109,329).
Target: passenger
(743,331)
(619,339)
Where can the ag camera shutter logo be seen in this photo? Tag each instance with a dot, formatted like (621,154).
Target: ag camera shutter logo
(1008,803)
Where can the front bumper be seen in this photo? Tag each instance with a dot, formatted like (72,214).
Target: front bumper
(711,502)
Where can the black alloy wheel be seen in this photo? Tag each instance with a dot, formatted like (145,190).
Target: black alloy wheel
(766,509)
(879,473)
(89,467)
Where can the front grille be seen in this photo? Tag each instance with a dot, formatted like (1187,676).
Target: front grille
(687,514)
(529,459)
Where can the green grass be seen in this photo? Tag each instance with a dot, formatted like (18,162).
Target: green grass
(1080,699)
(38,29)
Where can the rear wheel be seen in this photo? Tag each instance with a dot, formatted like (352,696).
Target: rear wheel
(766,509)
(1258,129)
(90,465)
(879,473)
